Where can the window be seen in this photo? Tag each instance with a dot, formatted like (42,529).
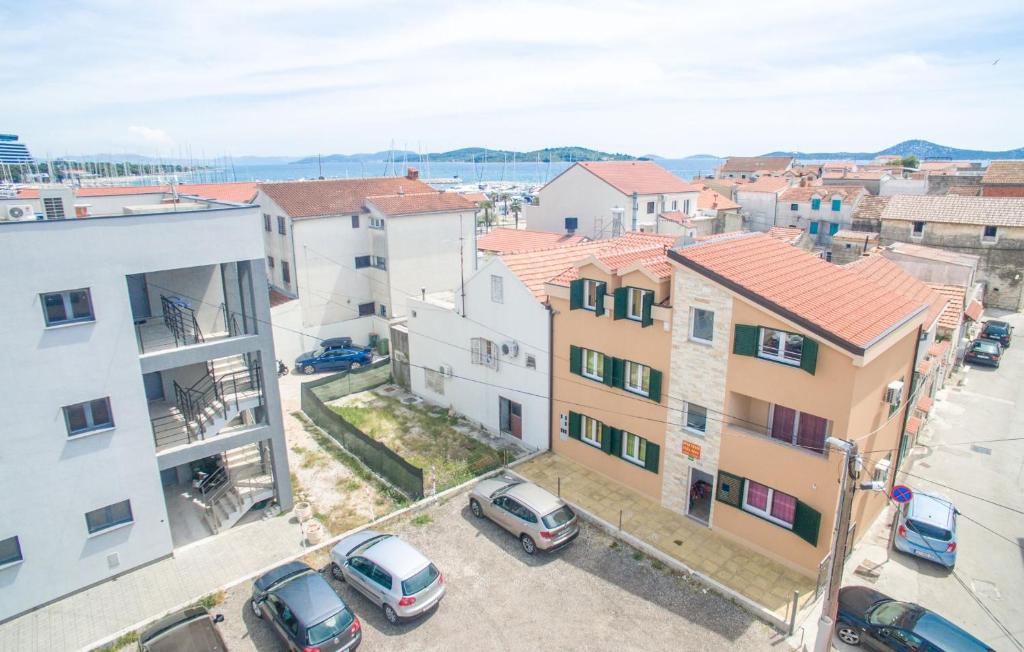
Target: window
(702,325)
(794,207)
(484,352)
(54,208)
(769,504)
(434,380)
(67,307)
(286,272)
(650,208)
(10,551)
(590,294)
(696,418)
(355,221)
(686,206)
(837,205)
(270,262)
(989,234)
(637,378)
(881,472)
(634,448)
(675,204)
(383,310)
(379,262)
(362,261)
(918,229)
(85,417)
(593,364)
(780,346)
(833,228)
(376,222)
(366,309)
(798,428)
(815,203)
(110,516)
(280,225)
(591,430)
(635,305)
(813,228)
(497,289)
(266,222)
(531,362)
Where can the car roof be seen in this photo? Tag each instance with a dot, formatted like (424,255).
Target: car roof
(310,598)
(396,557)
(331,341)
(985,344)
(183,631)
(275,574)
(996,322)
(931,509)
(940,632)
(540,500)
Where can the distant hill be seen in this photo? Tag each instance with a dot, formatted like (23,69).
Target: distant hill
(480,155)
(922,149)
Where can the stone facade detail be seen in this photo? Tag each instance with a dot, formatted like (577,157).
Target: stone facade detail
(698,375)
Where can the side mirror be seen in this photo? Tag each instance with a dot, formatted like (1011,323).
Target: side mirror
(219,618)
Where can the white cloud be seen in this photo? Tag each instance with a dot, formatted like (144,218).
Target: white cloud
(151,136)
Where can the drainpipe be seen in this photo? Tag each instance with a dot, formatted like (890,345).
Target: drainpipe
(908,407)
(551,373)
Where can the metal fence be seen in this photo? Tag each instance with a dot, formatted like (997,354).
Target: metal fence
(375,455)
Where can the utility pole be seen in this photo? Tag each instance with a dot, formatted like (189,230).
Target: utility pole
(840,538)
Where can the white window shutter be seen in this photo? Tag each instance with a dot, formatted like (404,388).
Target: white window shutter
(475,347)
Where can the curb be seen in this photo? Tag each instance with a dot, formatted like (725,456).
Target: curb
(425,502)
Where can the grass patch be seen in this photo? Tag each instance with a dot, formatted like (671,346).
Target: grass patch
(122,641)
(421,519)
(349,484)
(613,545)
(210,601)
(657,564)
(340,519)
(637,556)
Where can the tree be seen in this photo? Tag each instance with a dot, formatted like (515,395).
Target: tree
(909,161)
(487,205)
(516,208)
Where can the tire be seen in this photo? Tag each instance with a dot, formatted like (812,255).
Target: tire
(848,634)
(256,611)
(474,507)
(336,572)
(390,615)
(309,370)
(529,547)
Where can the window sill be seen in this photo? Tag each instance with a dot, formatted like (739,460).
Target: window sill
(697,340)
(11,564)
(596,445)
(697,433)
(637,392)
(988,242)
(69,324)
(112,528)
(766,517)
(788,363)
(634,462)
(596,379)
(90,433)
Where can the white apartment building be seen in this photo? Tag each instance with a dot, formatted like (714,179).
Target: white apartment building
(758,201)
(141,400)
(821,211)
(350,252)
(604,199)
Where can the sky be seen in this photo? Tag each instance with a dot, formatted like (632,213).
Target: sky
(299,77)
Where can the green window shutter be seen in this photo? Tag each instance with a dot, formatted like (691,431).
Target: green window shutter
(575,359)
(745,340)
(837,204)
(606,438)
(615,448)
(645,309)
(809,356)
(621,299)
(654,389)
(602,289)
(575,425)
(806,523)
(651,458)
(576,294)
(617,374)
(730,489)
(815,204)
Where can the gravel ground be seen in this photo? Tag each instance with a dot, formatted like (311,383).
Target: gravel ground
(592,595)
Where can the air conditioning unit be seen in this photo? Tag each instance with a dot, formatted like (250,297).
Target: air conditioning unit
(445,370)
(894,392)
(510,349)
(19,213)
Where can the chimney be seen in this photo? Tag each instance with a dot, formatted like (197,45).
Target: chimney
(412,174)
(401,190)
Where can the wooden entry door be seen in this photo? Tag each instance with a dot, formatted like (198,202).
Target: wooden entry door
(510,417)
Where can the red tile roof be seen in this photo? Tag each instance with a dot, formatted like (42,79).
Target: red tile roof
(933,253)
(839,304)
(1004,173)
(913,425)
(712,200)
(765,184)
(859,175)
(277,298)
(925,403)
(954,209)
(757,163)
(641,177)
(964,191)
(336,196)
(507,241)
(421,202)
(678,217)
(890,275)
(954,312)
(924,366)
(973,311)
(806,193)
(788,234)
(939,350)
(476,197)
(241,192)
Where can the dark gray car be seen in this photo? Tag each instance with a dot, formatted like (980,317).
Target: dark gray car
(189,630)
(304,610)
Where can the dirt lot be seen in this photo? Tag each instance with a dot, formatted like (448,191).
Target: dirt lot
(593,595)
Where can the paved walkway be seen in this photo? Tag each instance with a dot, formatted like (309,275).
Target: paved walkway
(757,578)
(194,571)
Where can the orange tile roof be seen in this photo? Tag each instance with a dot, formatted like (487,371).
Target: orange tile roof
(678,217)
(336,196)
(859,236)
(973,311)
(890,275)
(841,305)
(939,350)
(421,202)
(241,192)
(954,209)
(764,184)
(954,312)
(933,253)
(641,177)
(757,163)
(806,193)
(507,241)
(924,366)
(859,175)
(1004,172)
(713,200)
(476,197)
(925,403)
(789,234)
(964,191)
(913,425)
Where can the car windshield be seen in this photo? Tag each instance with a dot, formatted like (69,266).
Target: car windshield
(330,627)
(930,531)
(996,328)
(986,347)
(503,490)
(420,580)
(558,518)
(890,614)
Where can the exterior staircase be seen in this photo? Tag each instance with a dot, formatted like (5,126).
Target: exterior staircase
(247,481)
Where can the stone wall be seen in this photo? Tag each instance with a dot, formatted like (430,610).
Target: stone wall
(939,184)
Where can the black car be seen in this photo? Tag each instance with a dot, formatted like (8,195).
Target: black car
(880,623)
(984,352)
(332,343)
(999,331)
(304,610)
(188,630)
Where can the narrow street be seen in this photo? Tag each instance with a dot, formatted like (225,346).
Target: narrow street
(971,452)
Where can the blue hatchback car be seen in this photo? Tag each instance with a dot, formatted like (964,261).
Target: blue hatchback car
(926,528)
(336,358)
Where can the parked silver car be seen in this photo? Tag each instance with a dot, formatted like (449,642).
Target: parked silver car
(537,517)
(388,571)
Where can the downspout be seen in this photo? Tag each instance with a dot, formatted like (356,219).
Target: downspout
(906,411)
(636,207)
(551,373)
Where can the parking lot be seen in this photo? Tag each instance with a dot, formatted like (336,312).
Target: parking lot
(593,595)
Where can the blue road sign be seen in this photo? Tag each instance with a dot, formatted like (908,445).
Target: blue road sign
(902,493)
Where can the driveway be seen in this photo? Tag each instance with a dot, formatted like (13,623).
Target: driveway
(592,595)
